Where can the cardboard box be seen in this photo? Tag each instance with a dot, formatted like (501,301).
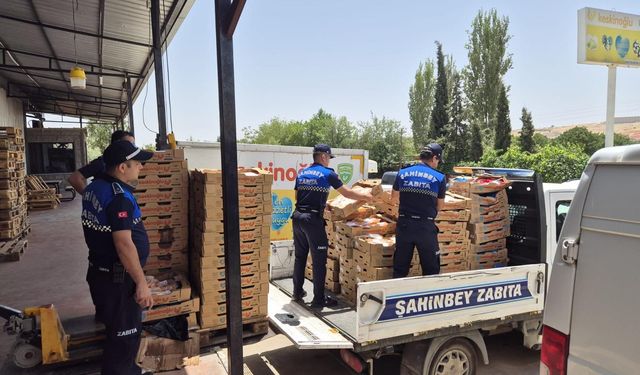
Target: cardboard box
(179,295)
(210,281)
(454,202)
(168,248)
(163,167)
(479,185)
(459,215)
(489,217)
(167,311)
(168,155)
(487,264)
(220,307)
(452,257)
(373,273)
(493,256)
(341,207)
(162,354)
(446,247)
(481,237)
(166,221)
(245,259)
(176,261)
(155,195)
(359,227)
(490,199)
(488,246)
(502,224)
(376,245)
(451,226)
(176,179)
(453,236)
(213,225)
(215,296)
(208,320)
(164,208)
(168,235)
(368,260)
(454,266)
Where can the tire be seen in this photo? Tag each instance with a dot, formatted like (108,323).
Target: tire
(455,357)
(26,355)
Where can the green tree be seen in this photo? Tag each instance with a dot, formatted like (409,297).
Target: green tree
(421,103)
(488,63)
(276,132)
(475,148)
(439,115)
(457,131)
(503,123)
(554,163)
(540,140)
(589,142)
(527,132)
(383,138)
(98,138)
(451,72)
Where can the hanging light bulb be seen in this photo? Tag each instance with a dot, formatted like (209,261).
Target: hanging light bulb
(78,78)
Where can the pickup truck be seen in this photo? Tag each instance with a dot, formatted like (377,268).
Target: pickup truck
(438,323)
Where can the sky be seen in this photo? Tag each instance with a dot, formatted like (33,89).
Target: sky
(358,57)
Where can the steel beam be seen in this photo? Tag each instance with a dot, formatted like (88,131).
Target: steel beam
(43,69)
(130,107)
(161,137)
(229,153)
(59,28)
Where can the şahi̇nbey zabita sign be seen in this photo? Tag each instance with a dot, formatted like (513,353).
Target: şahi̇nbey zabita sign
(608,38)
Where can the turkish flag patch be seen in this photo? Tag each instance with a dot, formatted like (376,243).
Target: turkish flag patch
(123,215)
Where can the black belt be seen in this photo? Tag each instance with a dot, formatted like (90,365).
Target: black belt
(417,217)
(100,268)
(309,210)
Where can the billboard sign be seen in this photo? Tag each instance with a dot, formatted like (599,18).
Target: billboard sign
(608,38)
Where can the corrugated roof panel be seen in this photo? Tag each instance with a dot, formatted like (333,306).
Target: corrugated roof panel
(123,19)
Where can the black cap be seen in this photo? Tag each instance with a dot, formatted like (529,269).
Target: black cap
(323,149)
(121,151)
(432,149)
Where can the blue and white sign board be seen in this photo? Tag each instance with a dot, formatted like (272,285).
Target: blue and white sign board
(421,304)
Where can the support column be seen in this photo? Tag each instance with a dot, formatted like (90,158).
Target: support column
(130,106)
(161,137)
(611,106)
(231,216)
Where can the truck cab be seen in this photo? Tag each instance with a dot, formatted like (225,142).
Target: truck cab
(591,314)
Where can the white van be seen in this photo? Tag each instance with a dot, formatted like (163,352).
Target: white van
(592,313)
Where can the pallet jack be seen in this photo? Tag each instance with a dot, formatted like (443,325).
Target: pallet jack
(43,339)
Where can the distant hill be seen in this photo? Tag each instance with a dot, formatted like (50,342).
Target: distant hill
(632,129)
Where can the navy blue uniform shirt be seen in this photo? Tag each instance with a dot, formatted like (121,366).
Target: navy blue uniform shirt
(313,185)
(108,205)
(420,187)
(95,168)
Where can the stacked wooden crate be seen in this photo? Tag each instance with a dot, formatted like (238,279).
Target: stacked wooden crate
(453,236)
(208,254)
(14,224)
(39,195)
(489,224)
(162,194)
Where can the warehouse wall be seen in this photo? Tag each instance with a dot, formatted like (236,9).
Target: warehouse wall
(11,113)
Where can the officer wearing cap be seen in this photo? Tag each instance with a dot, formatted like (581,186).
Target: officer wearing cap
(312,190)
(78,179)
(118,249)
(421,189)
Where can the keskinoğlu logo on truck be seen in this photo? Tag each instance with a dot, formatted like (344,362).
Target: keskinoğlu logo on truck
(446,300)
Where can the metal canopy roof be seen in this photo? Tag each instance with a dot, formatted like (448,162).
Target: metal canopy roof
(113,39)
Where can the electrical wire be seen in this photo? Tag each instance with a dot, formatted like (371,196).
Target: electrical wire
(166,52)
(146,90)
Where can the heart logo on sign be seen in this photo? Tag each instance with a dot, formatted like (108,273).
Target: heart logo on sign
(622,46)
(282,209)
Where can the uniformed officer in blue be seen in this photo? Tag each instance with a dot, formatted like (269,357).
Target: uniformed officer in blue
(118,249)
(421,189)
(312,190)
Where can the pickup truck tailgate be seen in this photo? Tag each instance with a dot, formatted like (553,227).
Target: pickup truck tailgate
(301,326)
(398,307)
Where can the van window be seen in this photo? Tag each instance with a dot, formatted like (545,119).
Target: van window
(562,207)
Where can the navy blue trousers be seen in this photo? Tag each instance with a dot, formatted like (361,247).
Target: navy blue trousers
(420,234)
(309,234)
(122,317)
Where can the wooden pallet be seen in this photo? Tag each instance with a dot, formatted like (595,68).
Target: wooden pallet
(40,196)
(11,251)
(250,328)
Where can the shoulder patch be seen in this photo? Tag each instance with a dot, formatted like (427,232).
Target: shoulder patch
(117,189)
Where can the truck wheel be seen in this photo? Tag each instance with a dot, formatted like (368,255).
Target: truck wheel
(26,355)
(456,357)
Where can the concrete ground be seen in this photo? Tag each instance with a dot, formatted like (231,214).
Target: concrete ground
(53,268)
